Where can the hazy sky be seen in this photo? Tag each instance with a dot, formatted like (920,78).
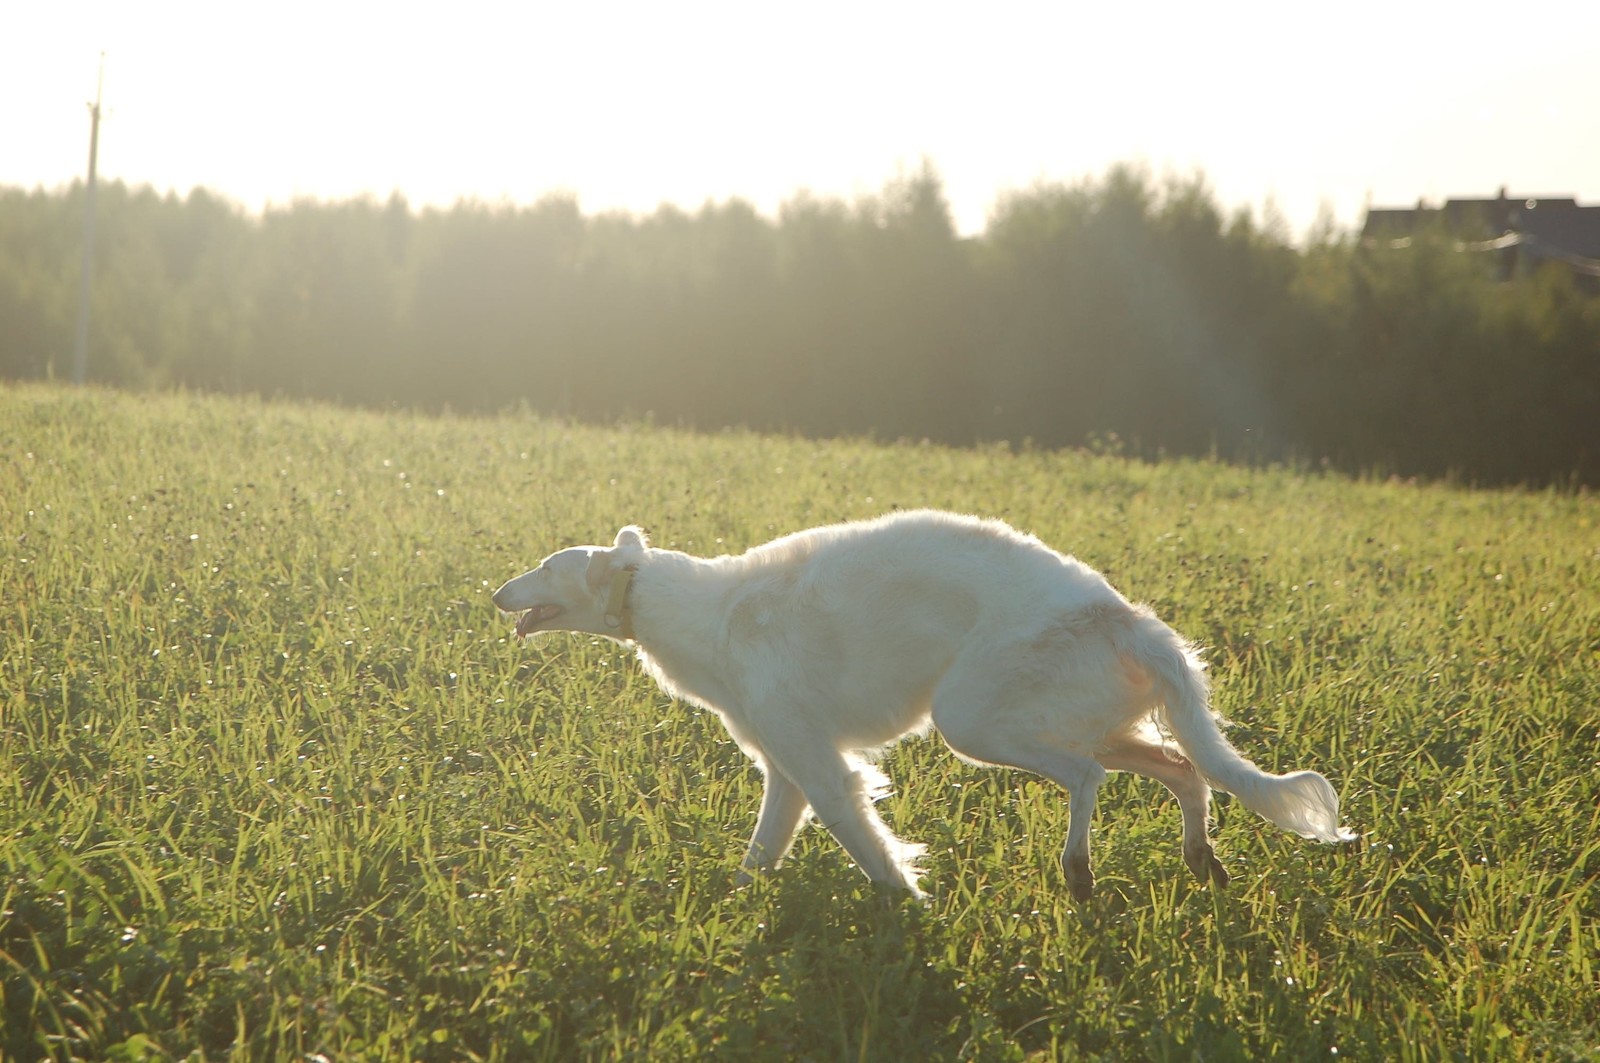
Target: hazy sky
(628,105)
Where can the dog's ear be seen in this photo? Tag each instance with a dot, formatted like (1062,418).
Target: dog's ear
(629,548)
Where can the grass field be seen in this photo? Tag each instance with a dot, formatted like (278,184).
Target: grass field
(275,782)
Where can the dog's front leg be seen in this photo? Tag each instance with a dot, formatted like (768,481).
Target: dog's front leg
(783,805)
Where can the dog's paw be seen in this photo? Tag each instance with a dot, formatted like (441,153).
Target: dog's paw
(1204,865)
(1080,879)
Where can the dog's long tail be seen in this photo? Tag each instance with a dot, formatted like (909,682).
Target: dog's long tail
(1302,801)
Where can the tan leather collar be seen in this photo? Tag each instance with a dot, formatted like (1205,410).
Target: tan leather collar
(619,613)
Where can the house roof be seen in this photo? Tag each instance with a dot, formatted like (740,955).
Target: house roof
(1552,226)
(1573,229)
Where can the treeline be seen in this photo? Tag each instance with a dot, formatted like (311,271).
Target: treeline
(1121,311)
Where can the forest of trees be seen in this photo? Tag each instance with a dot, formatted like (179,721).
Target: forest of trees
(1121,311)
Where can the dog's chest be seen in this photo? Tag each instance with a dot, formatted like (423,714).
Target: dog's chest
(688,680)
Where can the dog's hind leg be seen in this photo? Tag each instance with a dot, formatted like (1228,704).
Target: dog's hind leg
(783,805)
(1081,777)
(1083,786)
(1194,798)
(984,722)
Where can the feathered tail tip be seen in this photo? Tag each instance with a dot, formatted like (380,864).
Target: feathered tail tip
(1305,803)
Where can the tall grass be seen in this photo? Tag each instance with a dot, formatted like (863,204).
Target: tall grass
(274,781)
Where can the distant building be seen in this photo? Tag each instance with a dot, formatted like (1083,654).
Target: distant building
(1525,232)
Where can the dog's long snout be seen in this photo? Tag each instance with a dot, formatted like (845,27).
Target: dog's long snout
(505,598)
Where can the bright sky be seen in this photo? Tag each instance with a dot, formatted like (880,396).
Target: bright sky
(629,105)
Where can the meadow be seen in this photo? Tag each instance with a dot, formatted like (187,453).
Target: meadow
(276,782)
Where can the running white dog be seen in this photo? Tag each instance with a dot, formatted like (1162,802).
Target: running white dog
(822,647)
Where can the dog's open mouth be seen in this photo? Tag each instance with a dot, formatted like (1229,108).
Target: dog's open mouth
(530,621)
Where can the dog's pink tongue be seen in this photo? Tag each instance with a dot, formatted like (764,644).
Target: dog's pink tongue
(529,621)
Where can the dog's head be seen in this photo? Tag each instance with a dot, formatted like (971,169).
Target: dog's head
(578,589)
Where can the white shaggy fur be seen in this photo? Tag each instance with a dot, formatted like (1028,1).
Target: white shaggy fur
(821,647)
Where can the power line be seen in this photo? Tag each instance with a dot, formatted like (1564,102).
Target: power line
(80,347)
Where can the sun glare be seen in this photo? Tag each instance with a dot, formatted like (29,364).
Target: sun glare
(632,105)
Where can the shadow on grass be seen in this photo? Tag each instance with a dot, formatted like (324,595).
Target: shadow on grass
(845,971)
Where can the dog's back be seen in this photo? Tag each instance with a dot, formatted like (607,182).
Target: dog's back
(903,565)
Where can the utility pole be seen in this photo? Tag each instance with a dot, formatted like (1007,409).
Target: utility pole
(80,347)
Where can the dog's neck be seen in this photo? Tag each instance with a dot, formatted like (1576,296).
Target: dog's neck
(619,611)
(678,607)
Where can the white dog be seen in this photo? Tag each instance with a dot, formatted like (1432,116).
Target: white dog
(821,647)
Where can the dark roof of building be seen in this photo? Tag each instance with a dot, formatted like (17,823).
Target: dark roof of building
(1574,229)
(1558,224)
